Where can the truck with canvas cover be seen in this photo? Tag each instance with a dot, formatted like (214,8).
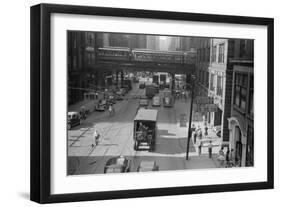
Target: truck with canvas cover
(145,129)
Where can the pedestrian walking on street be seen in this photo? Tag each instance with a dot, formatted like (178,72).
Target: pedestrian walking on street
(210,148)
(200,135)
(96,136)
(227,157)
(206,130)
(194,137)
(200,148)
(231,157)
(221,157)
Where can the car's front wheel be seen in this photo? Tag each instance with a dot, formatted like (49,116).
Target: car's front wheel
(68,126)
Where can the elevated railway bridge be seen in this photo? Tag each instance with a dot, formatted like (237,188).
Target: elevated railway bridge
(115,62)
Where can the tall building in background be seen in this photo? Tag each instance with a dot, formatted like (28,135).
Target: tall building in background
(81,56)
(152,42)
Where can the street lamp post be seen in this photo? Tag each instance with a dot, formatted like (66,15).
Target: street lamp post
(190,116)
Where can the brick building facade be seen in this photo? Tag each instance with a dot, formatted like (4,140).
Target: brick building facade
(217,61)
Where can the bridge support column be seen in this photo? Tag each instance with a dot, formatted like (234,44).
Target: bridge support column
(122,78)
(101,80)
(116,78)
(96,79)
(173,81)
(188,81)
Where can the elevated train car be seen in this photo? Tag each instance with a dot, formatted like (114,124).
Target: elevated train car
(146,55)
(114,53)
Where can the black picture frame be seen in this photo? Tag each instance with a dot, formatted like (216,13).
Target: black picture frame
(41,95)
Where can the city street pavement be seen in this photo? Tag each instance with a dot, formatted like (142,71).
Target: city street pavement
(117,139)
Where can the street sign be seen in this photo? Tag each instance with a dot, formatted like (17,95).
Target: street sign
(203,108)
(183,120)
(204,100)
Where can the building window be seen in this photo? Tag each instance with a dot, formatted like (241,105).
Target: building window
(203,54)
(207,79)
(208,54)
(250,147)
(221,53)
(89,58)
(74,41)
(199,55)
(240,93)
(212,88)
(219,85)
(74,63)
(199,73)
(251,96)
(214,54)
(243,48)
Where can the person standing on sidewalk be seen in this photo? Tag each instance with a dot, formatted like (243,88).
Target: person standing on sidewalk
(96,136)
(206,130)
(227,157)
(210,148)
(200,135)
(221,157)
(200,148)
(231,157)
(194,137)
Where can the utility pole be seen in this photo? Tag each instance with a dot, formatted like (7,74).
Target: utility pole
(190,116)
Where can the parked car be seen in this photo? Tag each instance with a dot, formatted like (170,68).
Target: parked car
(141,85)
(118,164)
(156,101)
(119,97)
(147,166)
(168,101)
(111,99)
(217,130)
(102,105)
(144,101)
(73,119)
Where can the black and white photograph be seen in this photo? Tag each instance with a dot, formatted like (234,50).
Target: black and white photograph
(147,103)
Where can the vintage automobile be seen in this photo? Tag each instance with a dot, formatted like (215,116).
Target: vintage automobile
(145,129)
(156,101)
(119,97)
(73,119)
(168,101)
(141,85)
(122,91)
(144,101)
(217,130)
(147,166)
(118,164)
(111,99)
(102,105)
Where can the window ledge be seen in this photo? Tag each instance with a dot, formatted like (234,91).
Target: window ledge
(239,109)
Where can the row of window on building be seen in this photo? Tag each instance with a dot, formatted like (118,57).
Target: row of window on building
(218,54)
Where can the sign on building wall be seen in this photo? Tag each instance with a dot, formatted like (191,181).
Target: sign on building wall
(203,108)
(204,100)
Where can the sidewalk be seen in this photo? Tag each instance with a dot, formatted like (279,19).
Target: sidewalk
(88,104)
(202,162)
